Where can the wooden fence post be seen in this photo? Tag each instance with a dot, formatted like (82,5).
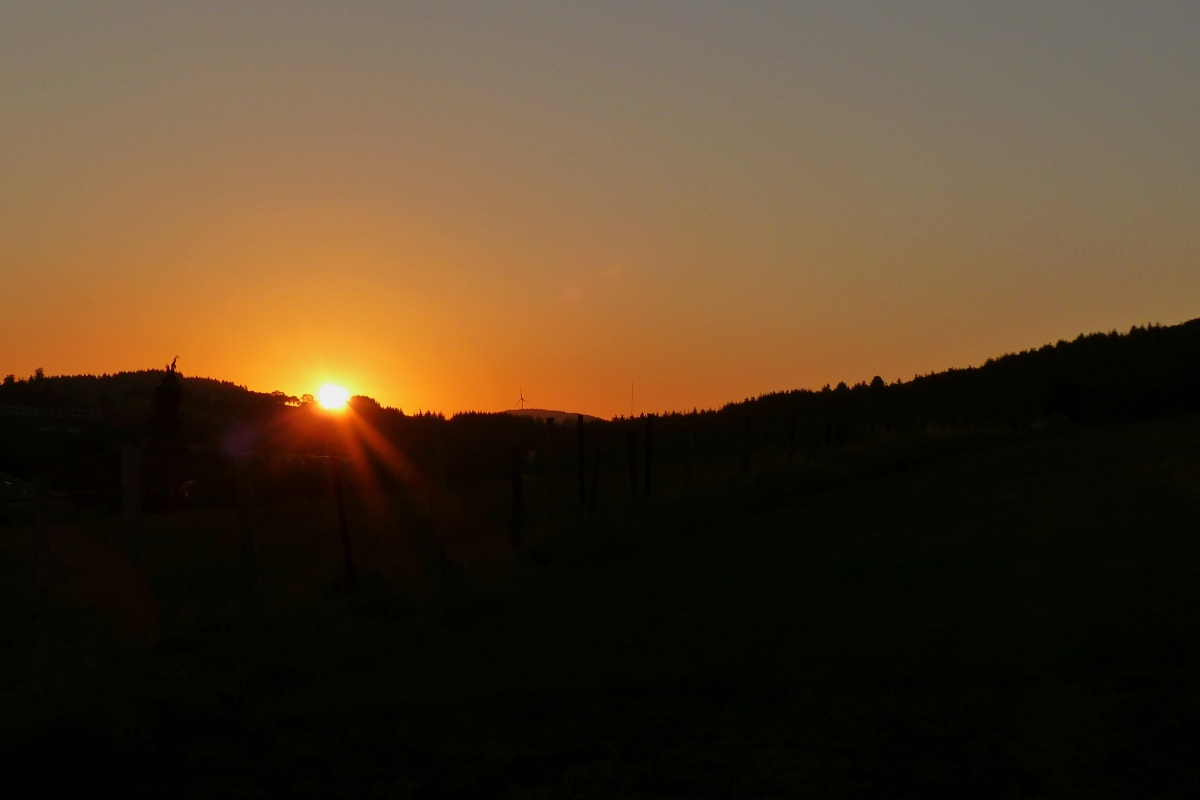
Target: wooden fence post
(335,468)
(691,461)
(42,513)
(246,529)
(746,445)
(516,505)
(631,446)
(792,439)
(131,499)
(550,479)
(649,450)
(582,467)
(595,480)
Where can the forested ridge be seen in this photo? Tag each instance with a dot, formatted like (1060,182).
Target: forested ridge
(1146,372)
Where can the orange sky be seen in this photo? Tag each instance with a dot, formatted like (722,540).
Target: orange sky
(440,205)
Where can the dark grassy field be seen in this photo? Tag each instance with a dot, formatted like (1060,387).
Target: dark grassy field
(1020,620)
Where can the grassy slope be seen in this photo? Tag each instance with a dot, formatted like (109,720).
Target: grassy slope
(1022,620)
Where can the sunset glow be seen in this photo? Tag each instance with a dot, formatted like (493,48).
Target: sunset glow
(461,201)
(332,398)
(787,396)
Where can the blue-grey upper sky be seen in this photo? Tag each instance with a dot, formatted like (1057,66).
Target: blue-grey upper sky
(438,204)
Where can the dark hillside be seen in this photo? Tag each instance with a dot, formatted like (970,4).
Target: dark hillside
(1148,372)
(74,427)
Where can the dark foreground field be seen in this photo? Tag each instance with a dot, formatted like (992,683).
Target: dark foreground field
(1018,621)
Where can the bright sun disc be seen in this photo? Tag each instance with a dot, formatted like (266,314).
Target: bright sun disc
(332,397)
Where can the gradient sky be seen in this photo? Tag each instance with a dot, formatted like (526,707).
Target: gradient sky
(439,204)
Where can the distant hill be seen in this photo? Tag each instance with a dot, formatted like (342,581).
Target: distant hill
(130,391)
(1147,371)
(559,417)
(74,427)
(1150,371)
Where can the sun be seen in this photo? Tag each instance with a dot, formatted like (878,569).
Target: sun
(332,398)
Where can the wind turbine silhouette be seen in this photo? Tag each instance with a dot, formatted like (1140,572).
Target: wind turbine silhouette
(523,401)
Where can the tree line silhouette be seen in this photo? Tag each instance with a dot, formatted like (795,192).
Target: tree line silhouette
(194,431)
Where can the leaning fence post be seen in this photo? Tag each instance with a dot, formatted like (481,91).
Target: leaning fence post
(339,498)
(131,499)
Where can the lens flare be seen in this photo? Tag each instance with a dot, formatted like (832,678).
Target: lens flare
(332,398)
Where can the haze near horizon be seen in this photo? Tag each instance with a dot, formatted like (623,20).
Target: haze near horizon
(437,205)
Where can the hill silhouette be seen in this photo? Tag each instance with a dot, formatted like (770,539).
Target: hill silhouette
(559,417)
(74,426)
(1146,371)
